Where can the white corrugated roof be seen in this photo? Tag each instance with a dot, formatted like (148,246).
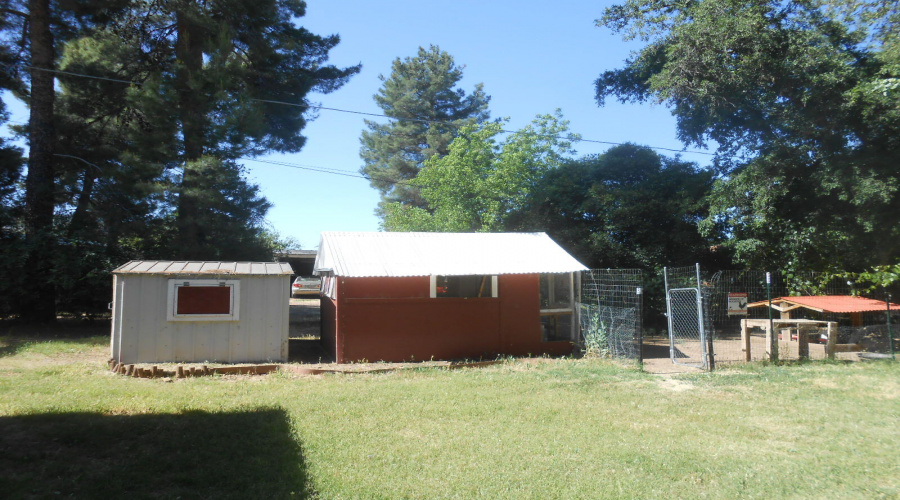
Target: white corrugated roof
(204,267)
(373,254)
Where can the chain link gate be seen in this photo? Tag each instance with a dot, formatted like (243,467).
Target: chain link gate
(690,338)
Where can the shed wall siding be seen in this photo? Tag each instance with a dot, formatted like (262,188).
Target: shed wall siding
(379,288)
(146,335)
(392,319)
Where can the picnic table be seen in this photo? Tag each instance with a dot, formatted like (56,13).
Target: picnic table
(790,327)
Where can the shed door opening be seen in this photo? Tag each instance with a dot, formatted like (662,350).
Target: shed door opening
(557,296)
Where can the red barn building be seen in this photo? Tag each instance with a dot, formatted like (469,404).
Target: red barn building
(419,296)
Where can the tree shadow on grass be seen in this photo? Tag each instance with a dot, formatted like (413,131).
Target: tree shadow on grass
(659,350)
(16,334)
(249,454)
(10,346)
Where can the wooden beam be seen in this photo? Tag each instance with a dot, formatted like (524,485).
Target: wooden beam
(802,343)
(745,339)
(832,333)
(847,348)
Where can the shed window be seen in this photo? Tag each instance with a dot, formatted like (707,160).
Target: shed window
(557,297)
(203,300)
(468,287)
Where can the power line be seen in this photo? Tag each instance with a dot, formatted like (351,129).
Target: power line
(362,113)
(69,73)
(333,171)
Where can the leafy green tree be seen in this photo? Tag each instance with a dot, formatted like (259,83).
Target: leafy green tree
(802,98)
(428,111)
(480,183)
(627,208)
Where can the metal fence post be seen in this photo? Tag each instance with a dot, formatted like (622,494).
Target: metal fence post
(705,336)
(890,334)
(773,337)
(640,327)
(668,313)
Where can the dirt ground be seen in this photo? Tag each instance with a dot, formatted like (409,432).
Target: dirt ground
(304,318)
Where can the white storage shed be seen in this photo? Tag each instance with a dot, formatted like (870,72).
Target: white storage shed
(230,312)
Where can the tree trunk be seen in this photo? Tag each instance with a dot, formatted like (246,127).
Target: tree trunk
(189,53)
(82,207)
(40,293)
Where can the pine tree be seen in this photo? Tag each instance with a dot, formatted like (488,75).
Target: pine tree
(428,111)
(219,80)
(30,31)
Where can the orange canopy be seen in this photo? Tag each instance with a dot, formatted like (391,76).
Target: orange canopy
(827,303)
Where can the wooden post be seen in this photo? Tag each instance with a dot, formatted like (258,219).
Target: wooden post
(802,342)
(745,340)
(832,339)
(179,371)
(771,342)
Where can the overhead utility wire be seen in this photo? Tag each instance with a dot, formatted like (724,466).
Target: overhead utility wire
(334,171)
(325,170)
(363,113)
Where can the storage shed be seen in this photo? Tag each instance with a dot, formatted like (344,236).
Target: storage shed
(419,296)
(232,312)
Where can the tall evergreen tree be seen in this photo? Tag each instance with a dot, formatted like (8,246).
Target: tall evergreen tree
(150,168)
(10,238)
(219,80)
(226,61)
(31,31)
(428,111)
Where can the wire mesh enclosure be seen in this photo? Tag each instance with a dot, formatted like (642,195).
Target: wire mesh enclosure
(610,312)
(730,292)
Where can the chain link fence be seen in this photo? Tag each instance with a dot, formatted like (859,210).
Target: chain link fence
(690,340)
(610,312)
(705,310)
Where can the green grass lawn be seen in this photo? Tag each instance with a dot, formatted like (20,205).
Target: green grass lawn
(521,429)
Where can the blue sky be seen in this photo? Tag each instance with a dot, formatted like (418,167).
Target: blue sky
(532,58)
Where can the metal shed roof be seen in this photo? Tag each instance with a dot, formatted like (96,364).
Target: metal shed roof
(828,303)
(388,254)
(203,267)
